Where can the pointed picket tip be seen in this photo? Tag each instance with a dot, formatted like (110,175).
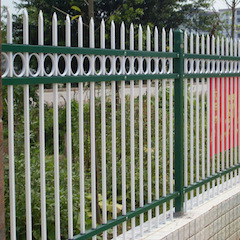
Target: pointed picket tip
(54,18)
(9,13)
(156,30)
(25,15)
(163,30)
(122,25)
(40,15)
(68,18)
(131,27)
(102,23)
(91,22)
(112,24)
(25,12)
(140,28)
(80,20)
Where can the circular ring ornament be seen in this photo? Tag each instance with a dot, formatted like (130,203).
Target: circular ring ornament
(66,65)
(53,68)
(23,64)
(38,63)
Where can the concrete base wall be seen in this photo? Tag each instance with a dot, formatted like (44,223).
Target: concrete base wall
(217,219)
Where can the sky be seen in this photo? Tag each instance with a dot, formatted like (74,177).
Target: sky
(219,4)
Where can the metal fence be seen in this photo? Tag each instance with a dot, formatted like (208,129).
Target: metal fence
(99,166)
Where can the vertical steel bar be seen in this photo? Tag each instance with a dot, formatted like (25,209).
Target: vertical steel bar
(218,116)
(178,121)
(92,132)
(164,138)
(191,125)
(69,133)
(11,136)
(227,114)
(141,185)
(42,132)
(81,133)
(103,134)
(197,119)
(203,118)
(123,136)
(56,134)
(185,123)
(222,115)
(27,134)
(235,94)
(231,113)
(171,123)
(149,157)
(208,118)
(156,132)
(114,160)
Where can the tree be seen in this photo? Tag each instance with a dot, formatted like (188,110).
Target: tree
(232,6)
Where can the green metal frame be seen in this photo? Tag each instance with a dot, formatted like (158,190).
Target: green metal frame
(178,76)
(178,108)
(210,179)
(89,78)
(112,223)
(6,47)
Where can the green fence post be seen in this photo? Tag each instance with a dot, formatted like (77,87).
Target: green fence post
(178,108)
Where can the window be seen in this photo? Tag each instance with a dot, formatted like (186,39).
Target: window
(238,35)
(238,20)
(238,12)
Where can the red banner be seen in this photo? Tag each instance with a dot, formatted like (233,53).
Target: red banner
(232,104)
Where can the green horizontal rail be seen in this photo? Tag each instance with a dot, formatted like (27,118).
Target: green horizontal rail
(211,178)
(210,57)
(90,51)
(75,79)
(210,75)
(112,223)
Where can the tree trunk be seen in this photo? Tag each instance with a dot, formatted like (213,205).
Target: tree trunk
(90,9)
(233,18)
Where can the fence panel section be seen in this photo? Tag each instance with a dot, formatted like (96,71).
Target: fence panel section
(97,126)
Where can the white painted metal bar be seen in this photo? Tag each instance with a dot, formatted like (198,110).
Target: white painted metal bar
(171,124)
(227,114)
(149,165)
(81,132)
(208,119)
(185,123)
(235,94)
(27,134)
(164,138)
(218,116)
(11,136)
(123,137)
(222,115)
(231,113)
(156,132)
(42,132)
(212,140)
(114,160)
(191,125)
(69,133)
(203,119)
(141,185)
(197,118)
(56,134)
(103,135)
(92,132)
